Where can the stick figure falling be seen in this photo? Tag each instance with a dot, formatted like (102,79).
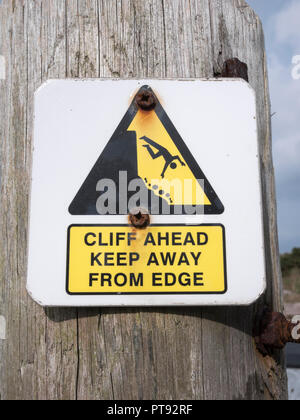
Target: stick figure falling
(161,151)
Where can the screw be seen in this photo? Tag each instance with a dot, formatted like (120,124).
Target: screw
(145,99)
(275,331)
(139,218)
(235,68)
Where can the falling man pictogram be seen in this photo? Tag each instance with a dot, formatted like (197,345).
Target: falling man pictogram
(162,151)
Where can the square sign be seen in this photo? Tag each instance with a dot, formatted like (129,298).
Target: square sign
(145,193)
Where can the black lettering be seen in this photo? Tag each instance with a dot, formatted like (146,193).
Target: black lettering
(155,278)
(124,280)
(171,282)
(93,277)
(149,239)
(120,236)
(183,259)
(184,281)
(133,256)
(86,239)
(95,259)
(161,238)
(167,259)
(153,259)
(176,239)
(189,239)
(105,277)
(131,237)
(198,277)
(109,259)
(137,281)
(121,256)
(203,241)
(196,257)
(100,241)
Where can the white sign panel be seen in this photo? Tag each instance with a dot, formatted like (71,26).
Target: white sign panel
(182,158)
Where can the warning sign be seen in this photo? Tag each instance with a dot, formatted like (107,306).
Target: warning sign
(134,184)
(174,259)
(146,147)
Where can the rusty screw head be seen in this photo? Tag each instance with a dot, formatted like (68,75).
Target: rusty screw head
(145,100)
(139,218)
(235,68)
(274,332)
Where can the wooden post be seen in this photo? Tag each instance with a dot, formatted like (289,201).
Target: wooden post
(182,353)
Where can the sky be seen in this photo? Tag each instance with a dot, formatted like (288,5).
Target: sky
(281,21)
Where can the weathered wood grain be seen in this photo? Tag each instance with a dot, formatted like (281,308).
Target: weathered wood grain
(124,354)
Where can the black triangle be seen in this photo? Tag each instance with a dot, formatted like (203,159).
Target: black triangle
(120,154)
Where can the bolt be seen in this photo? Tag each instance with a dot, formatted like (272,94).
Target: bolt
(275,331)
(145,99)
(235,68)
(139,218)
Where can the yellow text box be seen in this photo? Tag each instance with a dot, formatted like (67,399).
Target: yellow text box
(162,259)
